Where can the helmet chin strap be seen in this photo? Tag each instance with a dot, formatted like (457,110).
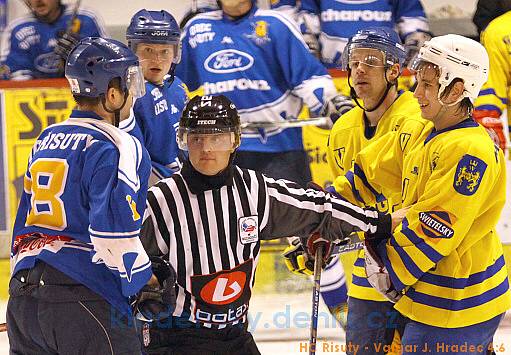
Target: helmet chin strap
(445,106)
(117,111)
(354,96)
(440,93)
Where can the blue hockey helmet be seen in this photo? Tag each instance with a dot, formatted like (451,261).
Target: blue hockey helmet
(157,27)
(153,27)
(95,61)
(380,38)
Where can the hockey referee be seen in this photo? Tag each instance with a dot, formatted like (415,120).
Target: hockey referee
(208,220)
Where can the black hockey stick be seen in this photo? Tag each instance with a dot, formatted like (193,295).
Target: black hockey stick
(346,248)
(290,123)
(318,261)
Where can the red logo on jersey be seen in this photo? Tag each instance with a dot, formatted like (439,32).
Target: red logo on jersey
(225,288)
(222,297)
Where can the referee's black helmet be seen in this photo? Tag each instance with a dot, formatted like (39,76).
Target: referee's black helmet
(209,115)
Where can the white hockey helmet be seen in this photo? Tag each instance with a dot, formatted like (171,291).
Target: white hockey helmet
(456,57)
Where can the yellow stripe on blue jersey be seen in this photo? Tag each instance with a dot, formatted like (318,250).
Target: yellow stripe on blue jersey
(496,92)
(446,256)
(347,139)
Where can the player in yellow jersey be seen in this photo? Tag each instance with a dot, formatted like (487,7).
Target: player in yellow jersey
(443,266)
(495,95)
(373,58)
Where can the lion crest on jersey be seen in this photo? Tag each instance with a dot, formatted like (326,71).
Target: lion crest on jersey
(469,173)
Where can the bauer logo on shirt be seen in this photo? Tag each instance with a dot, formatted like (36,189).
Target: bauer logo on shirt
(469,174)
(222,297)
(436,224)
(339,157)
(248,229)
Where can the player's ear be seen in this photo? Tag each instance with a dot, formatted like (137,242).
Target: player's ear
(393,72)
(114,96)
(455,92)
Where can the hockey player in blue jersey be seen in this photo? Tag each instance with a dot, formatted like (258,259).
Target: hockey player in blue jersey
(34,46)
(200,6)
(333,22)
(154,36)
(258,59)
(76,255)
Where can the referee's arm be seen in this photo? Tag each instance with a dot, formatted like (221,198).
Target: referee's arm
(300,212)
(155,241)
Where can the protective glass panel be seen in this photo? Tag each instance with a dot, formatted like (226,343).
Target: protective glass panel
(369,57)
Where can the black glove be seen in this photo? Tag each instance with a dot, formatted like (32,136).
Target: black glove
(65,44)
(336,107)
(156,303)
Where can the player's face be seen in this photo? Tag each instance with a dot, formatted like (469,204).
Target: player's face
(367,73)
(236,7)
(426,91)
(203,154)
(44,8)
(155,60)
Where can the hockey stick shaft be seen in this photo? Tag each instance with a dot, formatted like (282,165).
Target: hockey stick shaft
(78,3)
(293,122)
(318,260)
(346,248)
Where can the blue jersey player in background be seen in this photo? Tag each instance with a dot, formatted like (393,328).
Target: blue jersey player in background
(333,22)
(154,36)
(76,254)
(36,46)
(258,59)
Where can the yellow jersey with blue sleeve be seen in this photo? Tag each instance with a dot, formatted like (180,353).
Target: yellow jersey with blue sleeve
(495,95)
(446,257)
(348,137)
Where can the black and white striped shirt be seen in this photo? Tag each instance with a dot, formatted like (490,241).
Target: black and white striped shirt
(213,238)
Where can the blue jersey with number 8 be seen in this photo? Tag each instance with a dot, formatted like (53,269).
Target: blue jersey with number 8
(82,205)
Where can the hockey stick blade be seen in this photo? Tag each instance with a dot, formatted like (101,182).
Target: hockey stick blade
(290,123)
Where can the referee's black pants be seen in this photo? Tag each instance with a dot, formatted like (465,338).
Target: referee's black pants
(185,338)
(50,313)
